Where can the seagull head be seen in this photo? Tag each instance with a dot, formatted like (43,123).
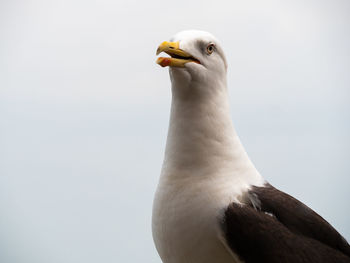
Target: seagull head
(195,56)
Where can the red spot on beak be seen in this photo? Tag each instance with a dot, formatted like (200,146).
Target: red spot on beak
(165,62)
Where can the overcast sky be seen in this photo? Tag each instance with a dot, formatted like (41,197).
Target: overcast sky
(84,112)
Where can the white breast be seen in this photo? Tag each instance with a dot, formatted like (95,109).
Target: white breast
(187,215)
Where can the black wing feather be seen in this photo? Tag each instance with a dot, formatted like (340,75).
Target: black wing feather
(299,218)
(293,233)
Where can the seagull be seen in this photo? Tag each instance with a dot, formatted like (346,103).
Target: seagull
(211,204)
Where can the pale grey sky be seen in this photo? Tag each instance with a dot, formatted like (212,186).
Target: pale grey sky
(84,114)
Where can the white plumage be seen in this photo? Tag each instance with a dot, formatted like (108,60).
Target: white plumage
(205,166)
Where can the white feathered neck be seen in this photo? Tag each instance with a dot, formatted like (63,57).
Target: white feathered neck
(201,135)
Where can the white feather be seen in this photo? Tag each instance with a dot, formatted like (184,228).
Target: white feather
(205,165)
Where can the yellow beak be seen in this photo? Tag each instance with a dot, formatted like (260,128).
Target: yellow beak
(178,57)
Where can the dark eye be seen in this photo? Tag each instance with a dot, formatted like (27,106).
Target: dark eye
(210,48)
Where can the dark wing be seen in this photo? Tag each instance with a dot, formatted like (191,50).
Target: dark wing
(299,218)
(276,227)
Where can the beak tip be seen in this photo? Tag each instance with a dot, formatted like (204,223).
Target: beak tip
(164,62)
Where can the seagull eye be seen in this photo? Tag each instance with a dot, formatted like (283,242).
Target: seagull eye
(210,49)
